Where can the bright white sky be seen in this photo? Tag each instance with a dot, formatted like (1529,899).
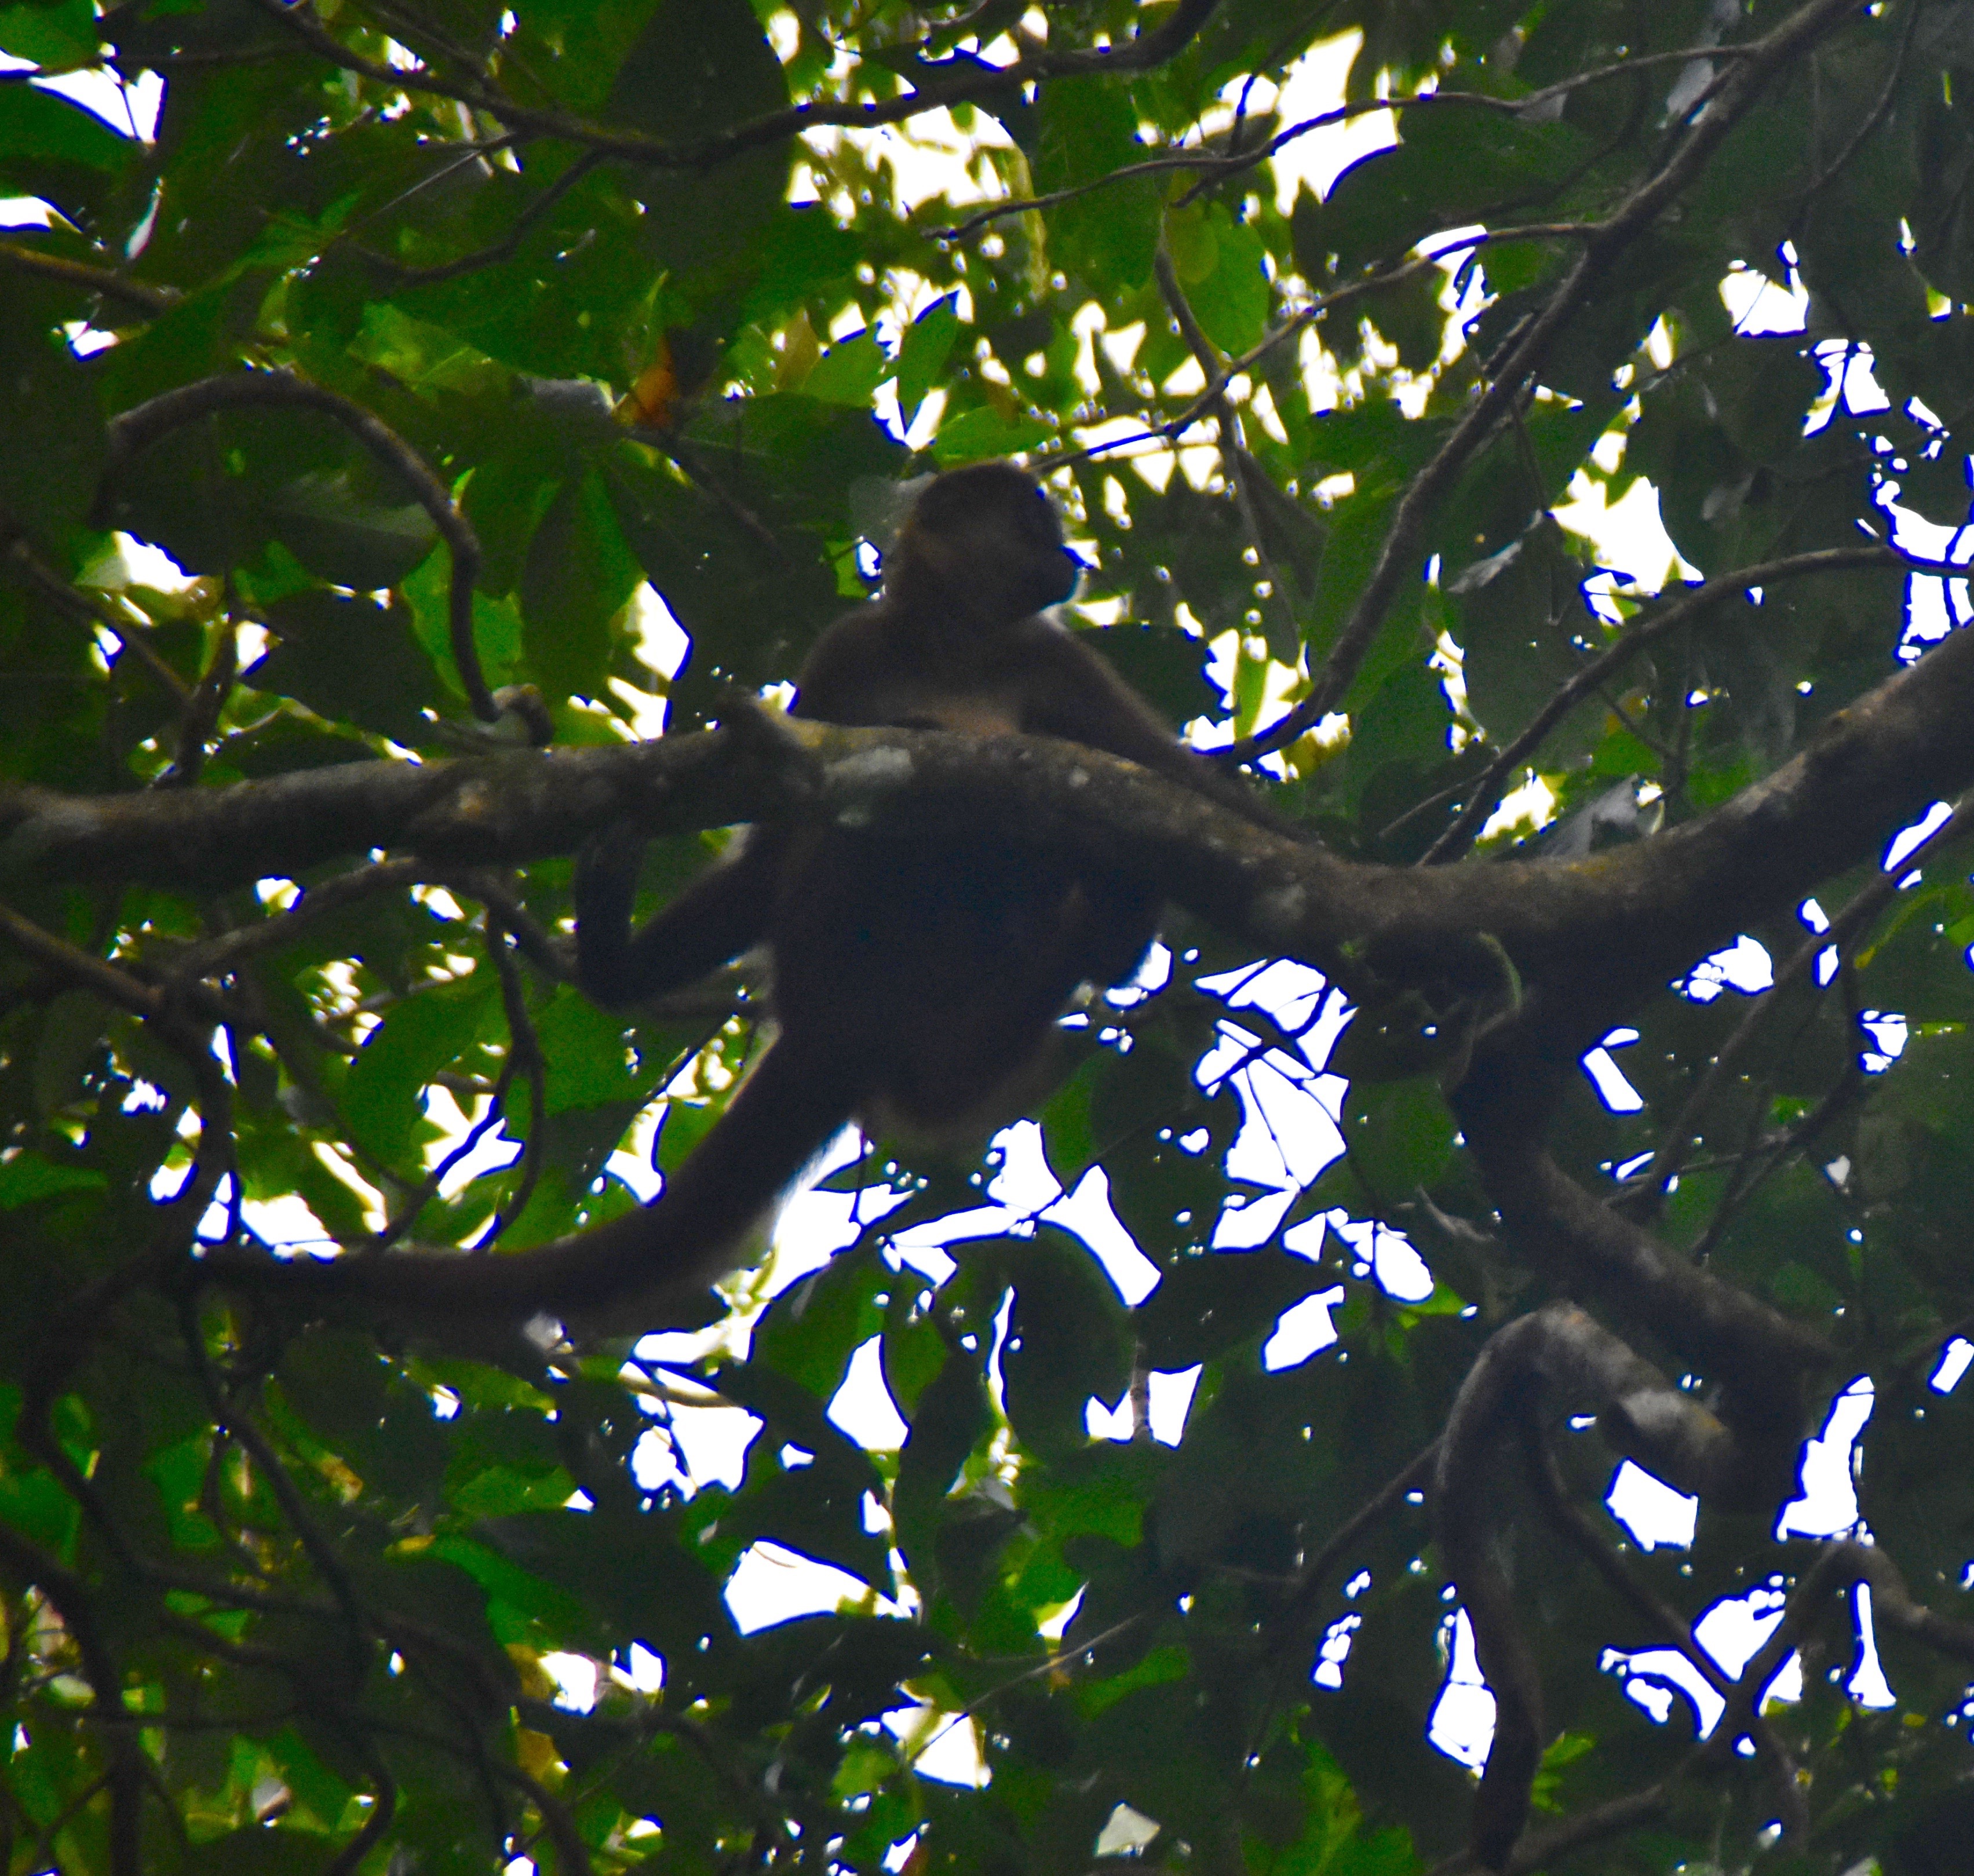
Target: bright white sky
(1289,1106)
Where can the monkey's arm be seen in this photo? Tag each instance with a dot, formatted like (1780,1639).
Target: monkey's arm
(721,914)
(850,673)
(1068,690)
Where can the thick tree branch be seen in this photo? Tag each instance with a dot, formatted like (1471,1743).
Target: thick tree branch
(474,811)
(1591,1250)
(1592,933)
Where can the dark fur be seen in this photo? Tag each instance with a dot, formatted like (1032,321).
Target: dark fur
(917,979)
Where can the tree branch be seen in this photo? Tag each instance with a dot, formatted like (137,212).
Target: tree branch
(966,85)
(136,429)
(1731,96)
(1561,1348)
(1591,933)
(23,259)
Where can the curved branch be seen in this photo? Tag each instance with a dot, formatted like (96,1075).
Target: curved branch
(969,84)
(136,430)
(1647,1417)
(1760,1354)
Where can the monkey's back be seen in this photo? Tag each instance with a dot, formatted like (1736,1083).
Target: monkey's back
(941,966)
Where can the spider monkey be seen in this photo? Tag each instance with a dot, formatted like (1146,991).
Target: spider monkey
(917,977)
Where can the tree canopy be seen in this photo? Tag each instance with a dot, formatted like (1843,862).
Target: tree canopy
(1492,1290)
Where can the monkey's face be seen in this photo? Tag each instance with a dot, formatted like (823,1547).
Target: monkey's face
(987,535)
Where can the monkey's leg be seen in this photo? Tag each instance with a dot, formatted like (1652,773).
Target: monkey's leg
(721,914)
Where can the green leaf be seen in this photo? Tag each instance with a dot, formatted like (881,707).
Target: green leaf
(698,68)
(50,34)
(1399,1133)
(51,444)
(37,125)
(419,1036)
(922,356)
(952,1415)
(579,574)
(352,660)
(589,1064)
(975,435)
(1089,128)
(1220,265)
(849,371)
(1066,1340)
(28,1176)
(347,539)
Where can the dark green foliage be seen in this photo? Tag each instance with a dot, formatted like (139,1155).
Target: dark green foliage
(330,1576)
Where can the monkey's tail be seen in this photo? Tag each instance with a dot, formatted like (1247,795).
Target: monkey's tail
(777,1125)
(663,1255)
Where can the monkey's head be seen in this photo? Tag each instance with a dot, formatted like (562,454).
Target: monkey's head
(983,544)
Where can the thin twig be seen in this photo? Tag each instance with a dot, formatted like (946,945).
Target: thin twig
(1717,111)
(221,956)
(1233,448)
(104,1674)
(1872,117)
(239,1426)
(494,252)
(524,1048)
(1143,52)
(201,716)
(1639,634)
(1415,1477)
(1218,166)
(88,608)
(25,260)
(1551,1494)
(1849,925)
(383,1808)
(1418,262)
